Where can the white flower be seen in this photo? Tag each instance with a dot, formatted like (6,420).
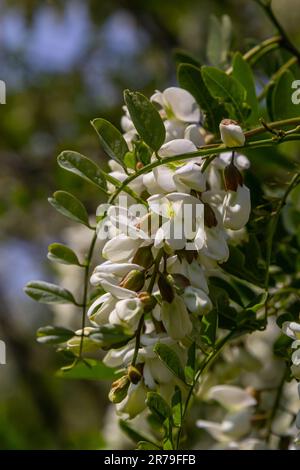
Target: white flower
(176,147)
(196,134)
(192,271)
(135,401)
(189,176)
(120,248)
(100,310)
(237,208)
(214,245)
(234,426)
(177,103)
(291,329)
(231,133)
(175,318)
(177,210)
(197,301)
(231,397)
(127,312)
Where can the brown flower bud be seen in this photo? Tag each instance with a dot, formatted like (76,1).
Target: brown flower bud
(135,373)
(232,178)
(134,280)
(119,389)
(209,216)
(148,301)
(144,257)
(165,288)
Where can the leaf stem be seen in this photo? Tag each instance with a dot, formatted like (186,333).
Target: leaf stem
(254,54)
(85,289)
(141,322)
(208,150)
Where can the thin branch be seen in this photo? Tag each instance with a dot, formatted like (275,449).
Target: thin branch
(286,42)
(207,150)
(85,290)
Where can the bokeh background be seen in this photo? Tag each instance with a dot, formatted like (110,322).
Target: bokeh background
(66,62)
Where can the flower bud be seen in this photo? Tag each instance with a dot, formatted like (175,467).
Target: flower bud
(148,301)
(166,289)
(119,389)
(232,177)
(134,280)
(143,257)
(135,373)
(209,216)
(231,133)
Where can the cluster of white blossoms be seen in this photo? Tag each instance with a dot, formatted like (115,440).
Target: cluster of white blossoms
(159,257)
(292,330)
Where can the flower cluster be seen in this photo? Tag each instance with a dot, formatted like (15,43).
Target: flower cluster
(158,260)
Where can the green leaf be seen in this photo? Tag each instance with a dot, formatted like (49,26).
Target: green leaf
(191,362)
(108,336)
(227,89)
(146,445)
(246,264)
(69,206)
(190,78)
(219,40)
(208,329)
(48,293)
(257,303)
(177,407)
(158,406)
(112,141)
(89,369)
(183,57)
(281,347)
(62,254)
(242,73)
(83,167)
(228,287)
(53,335)
(282,105)
(170,359)
(146,119)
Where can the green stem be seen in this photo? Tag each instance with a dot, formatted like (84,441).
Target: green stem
(286,42)
(254,54)
(276,404)
(204,366)
(141,322)
(211,149)
(85,289)
(276,75)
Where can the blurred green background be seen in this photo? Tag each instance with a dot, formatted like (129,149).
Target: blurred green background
(65,63)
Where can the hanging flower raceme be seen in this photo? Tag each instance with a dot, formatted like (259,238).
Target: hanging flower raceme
(158,260)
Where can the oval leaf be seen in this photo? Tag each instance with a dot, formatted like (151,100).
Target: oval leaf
(70,206)
(243,73)
(48,293)
(83,167)
(170,359)
(146,119)
(62,254)
(158,406)
(89,369)
(112,141)
(227,89)
(190,78)
(53,335)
